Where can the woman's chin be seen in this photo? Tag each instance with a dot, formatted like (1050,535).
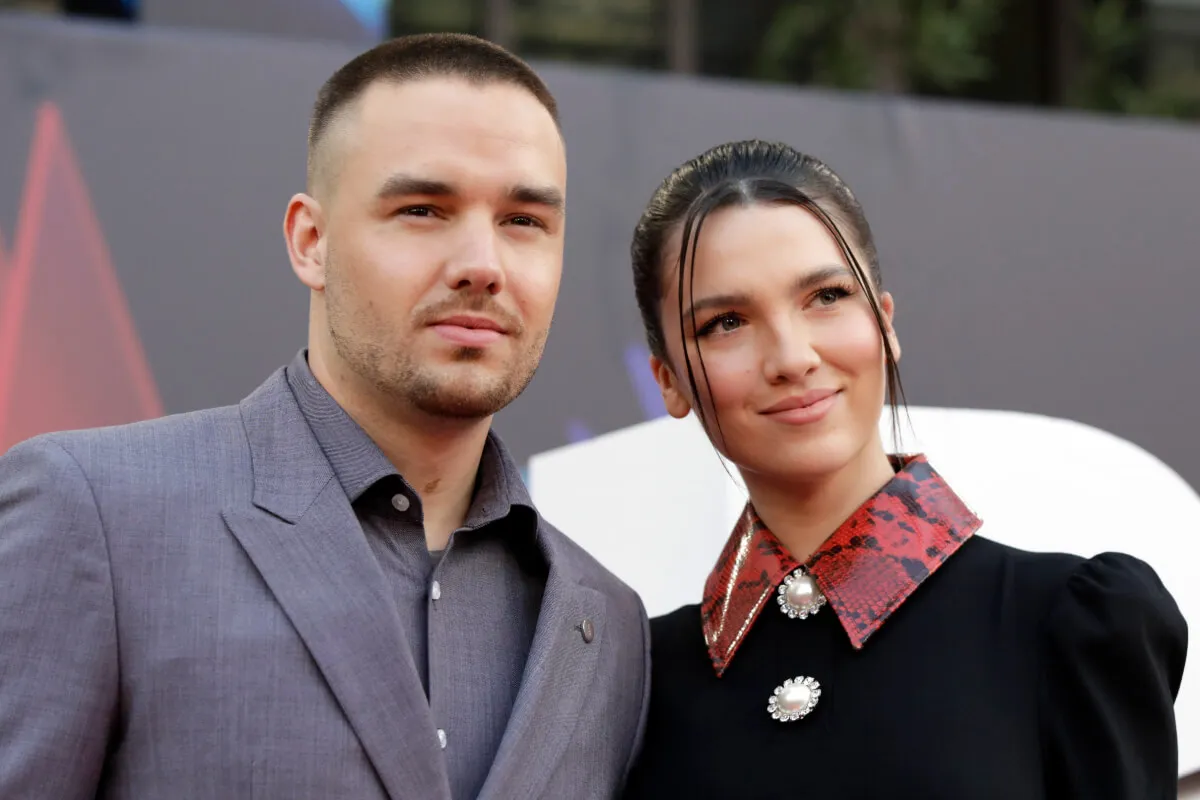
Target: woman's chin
(811,461)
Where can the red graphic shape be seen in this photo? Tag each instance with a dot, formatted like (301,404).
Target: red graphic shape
(69,354)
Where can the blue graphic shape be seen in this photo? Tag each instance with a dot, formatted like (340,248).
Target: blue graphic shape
(637,364)
(577,431)
(371,14)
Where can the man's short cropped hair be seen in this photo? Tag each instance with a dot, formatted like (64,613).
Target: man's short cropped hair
(428,55)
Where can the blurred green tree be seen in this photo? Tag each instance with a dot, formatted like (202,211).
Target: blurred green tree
(1095,55)
(882,45)
(1086,54)
(1109,76)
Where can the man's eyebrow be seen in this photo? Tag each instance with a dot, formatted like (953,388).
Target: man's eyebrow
(548,196)
(401,185)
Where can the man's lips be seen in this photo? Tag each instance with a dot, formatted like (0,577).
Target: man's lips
(469,330)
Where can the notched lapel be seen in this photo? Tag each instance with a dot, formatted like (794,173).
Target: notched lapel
(558,678)
(333,591)
(304,539)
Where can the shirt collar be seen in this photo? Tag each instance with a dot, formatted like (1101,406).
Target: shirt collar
(866,569)
(359,464)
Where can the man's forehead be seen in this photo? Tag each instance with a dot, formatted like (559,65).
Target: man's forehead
(446,129)
(443,100)
(454,137)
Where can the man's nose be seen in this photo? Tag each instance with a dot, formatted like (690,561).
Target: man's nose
(476,265)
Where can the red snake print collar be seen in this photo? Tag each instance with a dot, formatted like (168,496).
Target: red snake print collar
(866,569)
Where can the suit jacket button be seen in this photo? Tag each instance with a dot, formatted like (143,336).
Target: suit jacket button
(587,630)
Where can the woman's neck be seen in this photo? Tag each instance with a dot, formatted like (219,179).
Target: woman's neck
(802,515)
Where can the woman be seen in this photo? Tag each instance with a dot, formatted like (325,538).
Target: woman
(857,637)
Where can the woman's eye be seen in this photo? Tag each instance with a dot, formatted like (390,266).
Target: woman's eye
(828,297)
(726,323)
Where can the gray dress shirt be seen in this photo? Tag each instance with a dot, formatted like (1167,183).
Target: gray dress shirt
(469,613)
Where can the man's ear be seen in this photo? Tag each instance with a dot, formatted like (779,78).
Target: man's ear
(674,398)
(303,230)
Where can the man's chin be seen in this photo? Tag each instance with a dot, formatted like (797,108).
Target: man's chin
(459,389)
(456,398)
(461,406)
(468,356)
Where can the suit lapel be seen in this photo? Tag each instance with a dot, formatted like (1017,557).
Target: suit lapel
(304,539)
(558,678)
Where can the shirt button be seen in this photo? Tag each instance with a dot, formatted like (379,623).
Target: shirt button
(795,699)
(442,738)
(435,591)
(400,502)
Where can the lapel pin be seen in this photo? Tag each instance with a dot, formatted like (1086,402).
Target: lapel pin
(587,630)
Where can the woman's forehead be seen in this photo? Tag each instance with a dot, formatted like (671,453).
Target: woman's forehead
(751,244)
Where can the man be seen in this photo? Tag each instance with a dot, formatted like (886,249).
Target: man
(338,588)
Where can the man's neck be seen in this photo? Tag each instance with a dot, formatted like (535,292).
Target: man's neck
(803,515)
(438,457)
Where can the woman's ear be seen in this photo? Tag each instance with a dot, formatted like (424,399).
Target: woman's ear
(887,304)
(675,400)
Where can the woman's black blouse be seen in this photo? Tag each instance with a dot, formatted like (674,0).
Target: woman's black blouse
(1007,675)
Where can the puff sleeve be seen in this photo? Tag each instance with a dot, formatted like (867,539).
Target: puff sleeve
(1113,646)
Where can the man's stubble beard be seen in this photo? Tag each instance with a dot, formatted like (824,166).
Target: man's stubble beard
(359,337)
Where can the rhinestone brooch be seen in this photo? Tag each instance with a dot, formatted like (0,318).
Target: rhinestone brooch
(795,699)
(799,596)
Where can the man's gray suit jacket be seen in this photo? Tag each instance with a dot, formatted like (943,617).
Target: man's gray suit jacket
(189,609)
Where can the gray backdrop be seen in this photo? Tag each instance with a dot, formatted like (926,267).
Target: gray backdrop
(299,19)
(1042,263)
